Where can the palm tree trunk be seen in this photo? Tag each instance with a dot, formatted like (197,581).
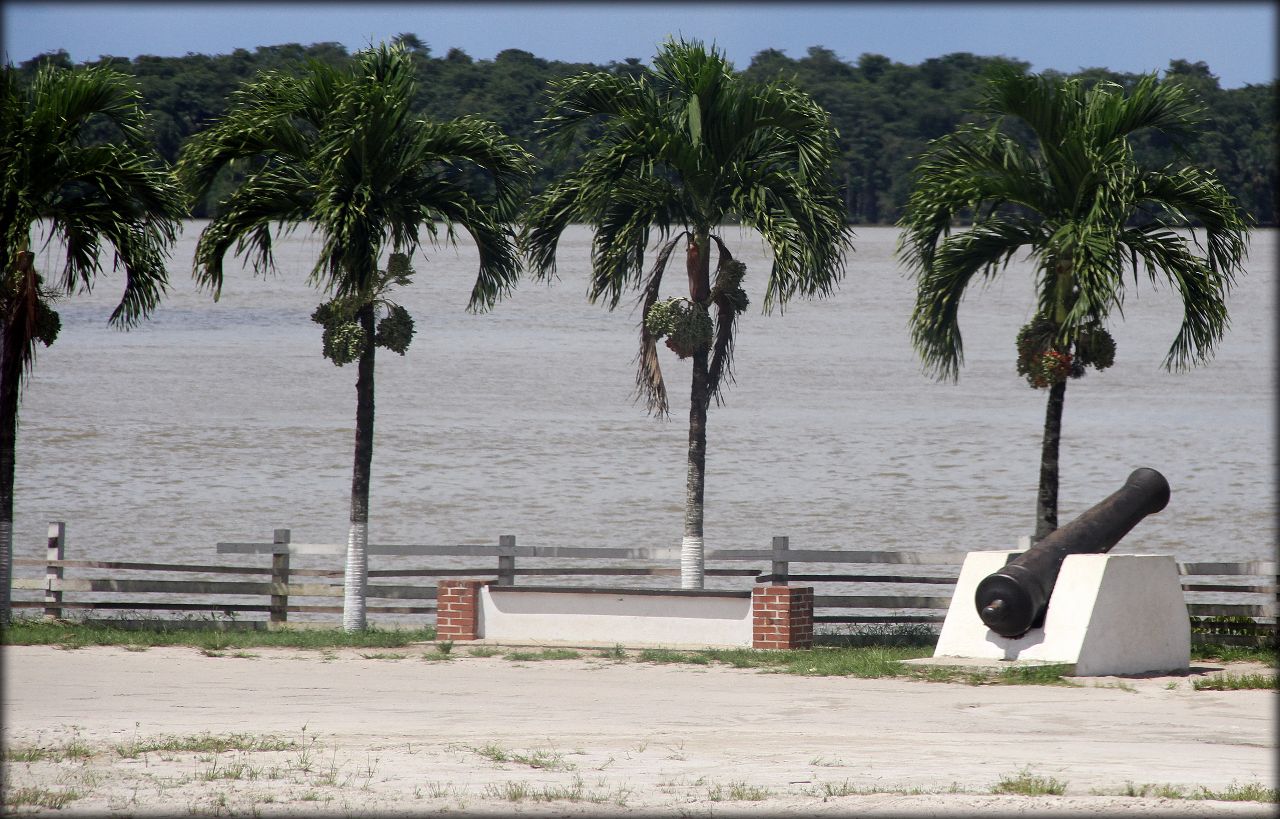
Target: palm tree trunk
(691,548)
(698,266)
(15,320)
(10,372)
(357,572)
(1047,497)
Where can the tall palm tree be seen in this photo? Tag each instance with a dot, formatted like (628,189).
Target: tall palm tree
(84,194)
(1053,175)
(341,149)
(683,147)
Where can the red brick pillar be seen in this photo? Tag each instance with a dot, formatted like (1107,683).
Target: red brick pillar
(458,609)
(782,617)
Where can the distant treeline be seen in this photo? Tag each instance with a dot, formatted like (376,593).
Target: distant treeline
(886,112)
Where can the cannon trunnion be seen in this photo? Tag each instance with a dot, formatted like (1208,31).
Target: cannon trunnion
(1013,600)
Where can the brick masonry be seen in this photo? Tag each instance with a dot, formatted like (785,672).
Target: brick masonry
(458,608)
(782,617)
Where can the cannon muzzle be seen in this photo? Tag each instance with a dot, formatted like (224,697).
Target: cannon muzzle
(1013,600)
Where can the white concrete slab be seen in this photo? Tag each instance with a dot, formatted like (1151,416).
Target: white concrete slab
(629,617)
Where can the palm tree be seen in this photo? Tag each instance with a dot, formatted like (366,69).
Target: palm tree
(84,194)
(340,148)
(1053,175)
(683,147)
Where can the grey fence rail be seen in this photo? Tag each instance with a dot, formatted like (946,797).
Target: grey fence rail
(1232,602)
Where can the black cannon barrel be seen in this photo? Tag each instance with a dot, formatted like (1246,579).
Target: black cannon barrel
(1013,600)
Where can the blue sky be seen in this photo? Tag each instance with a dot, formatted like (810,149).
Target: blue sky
(1236,40)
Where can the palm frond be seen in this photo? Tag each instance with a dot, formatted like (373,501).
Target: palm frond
(1203,288)
(20,300)
(681,148)
(577,100)
(341,148)
(117,192)
(1166,107)
(650,386)
(63,102)
(1075,199)
(981,251)
(280,195)
(720,369)
(1194,197)
(547,217)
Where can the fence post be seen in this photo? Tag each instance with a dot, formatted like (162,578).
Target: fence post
(280,577)
(780,565)
(507,560)
(53,574)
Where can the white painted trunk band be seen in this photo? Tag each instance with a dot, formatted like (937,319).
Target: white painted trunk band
(357,573)
(691,563)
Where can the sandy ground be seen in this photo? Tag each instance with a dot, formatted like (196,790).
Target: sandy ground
(370,732)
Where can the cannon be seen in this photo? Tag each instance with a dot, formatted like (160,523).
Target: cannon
(1013,600)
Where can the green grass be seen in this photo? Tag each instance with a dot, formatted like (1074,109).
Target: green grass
(1234,654)
(548,760)
(1025,783)
(24,631)
(205,743)
(544,654)
(853,654)
(1237,682)
(738,792)
(615,653)
(891,635)
(667,655)
(40,798)
(846,788)
(73,749)
(1248,792)
(520,791)
(816,662)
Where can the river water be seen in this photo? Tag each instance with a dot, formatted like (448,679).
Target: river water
(221,421)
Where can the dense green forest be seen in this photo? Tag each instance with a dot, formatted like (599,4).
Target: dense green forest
(886,112)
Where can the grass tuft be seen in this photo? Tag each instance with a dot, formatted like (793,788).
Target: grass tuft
(40,798)
(1237,682)
(545,654)
(1235,654)
(205,743)
(1235,792)
(1024,783)
(207,635)
(615,653)
(74,749)
(668,655)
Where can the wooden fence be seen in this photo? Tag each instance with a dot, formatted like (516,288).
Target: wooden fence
(1228,601)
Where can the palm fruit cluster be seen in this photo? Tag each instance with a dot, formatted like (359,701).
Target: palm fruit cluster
(685,325)
(729,285)
(395,330)
(344,340)
(1044,363)
(47,322)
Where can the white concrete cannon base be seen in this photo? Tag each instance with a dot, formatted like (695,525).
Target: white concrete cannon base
(1109,614)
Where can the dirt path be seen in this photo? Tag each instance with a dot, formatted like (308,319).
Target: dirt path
(337,732)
